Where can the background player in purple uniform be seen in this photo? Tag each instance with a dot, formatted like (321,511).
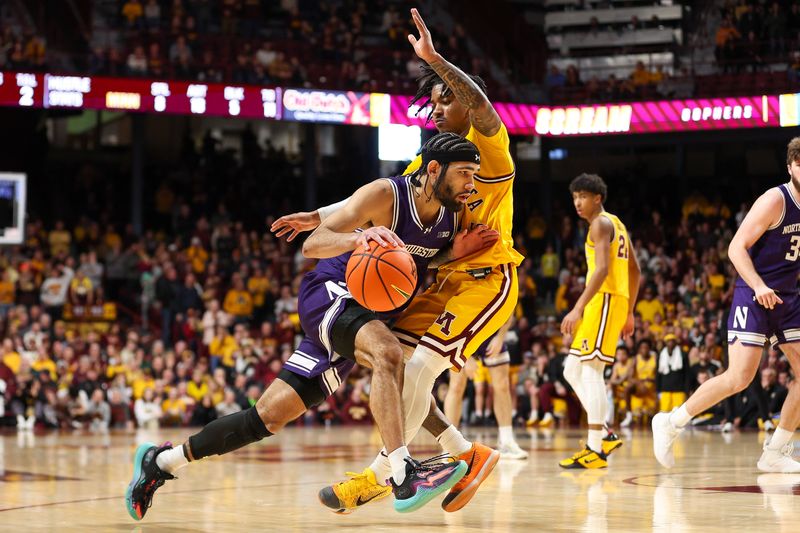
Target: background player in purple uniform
(420,212)
(766,306)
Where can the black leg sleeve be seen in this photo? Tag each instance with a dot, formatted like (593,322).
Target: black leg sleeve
(228,433)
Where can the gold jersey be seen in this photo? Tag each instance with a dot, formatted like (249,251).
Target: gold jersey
(616,281)
(491,203)
(645,369)
(621,370)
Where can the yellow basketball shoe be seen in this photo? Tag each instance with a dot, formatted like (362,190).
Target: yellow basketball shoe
(610,443)
(586,458)
(346,496)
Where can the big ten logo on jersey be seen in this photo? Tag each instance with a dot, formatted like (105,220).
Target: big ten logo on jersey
(445,320)
(473,205)
(585,345)
(740,317)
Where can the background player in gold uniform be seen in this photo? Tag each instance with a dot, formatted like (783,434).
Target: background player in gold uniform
(603,312)
(472,297)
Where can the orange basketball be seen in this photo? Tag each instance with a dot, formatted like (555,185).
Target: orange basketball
(381,279)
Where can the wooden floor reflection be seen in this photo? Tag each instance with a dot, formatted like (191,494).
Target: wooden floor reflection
(76,482)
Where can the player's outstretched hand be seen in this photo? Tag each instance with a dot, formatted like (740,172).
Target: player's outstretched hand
(627,329)
(295,224)
(767,297)
(382,235)
(423,46)
(478,238)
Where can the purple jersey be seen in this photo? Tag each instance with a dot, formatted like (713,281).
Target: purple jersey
(775,254)
(323,292)
(421,242)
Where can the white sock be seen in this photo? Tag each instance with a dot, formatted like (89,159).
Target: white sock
(171,460)
(453,442)
(506,435)
(680,417)
(780,438)
(595,441)
(398,461)
(381,467)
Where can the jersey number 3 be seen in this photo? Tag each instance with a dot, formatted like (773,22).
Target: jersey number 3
(794,251)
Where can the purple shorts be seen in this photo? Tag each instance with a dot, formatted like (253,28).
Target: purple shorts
(753,325)
(320,303)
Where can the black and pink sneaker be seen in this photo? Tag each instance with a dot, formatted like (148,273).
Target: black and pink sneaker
(147,478)
(425,480)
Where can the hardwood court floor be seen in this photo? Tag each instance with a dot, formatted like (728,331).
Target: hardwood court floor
(76,482)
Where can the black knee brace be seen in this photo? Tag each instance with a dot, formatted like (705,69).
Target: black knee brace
(228,433)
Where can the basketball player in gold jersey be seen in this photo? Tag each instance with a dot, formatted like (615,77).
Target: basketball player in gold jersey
(472,297)
(603,312)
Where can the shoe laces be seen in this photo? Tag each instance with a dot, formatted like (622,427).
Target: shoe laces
(349,489)
(430,463)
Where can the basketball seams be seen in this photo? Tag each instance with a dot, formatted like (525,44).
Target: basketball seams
(368,283)
(350,271)
(380,278)
(380,259)
(364,281)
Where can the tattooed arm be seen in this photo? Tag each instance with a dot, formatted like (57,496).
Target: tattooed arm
(481,113)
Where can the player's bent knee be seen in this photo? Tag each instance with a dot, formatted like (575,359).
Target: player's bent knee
(387,357)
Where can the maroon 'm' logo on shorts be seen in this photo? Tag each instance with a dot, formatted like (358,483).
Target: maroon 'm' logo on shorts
(445,320)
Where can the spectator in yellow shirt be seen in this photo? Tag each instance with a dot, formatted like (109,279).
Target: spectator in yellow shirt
(59,240)
(562,301)
(133,11)
(716,281)
(173,408)
(8,293)
(648,306)
(142,381)
(640,75)
(10,356)
(550,266)
(238,302)
(259,285)
(43,363)
(197,387)
(222,348)
(197,255)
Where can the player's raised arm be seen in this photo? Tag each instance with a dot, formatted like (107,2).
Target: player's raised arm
(765,212)
(601,231)
(336,235)
(482,115)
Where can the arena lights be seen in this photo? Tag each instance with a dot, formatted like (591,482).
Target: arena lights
(21,89)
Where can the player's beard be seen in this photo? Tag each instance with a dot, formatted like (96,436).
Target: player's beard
(447,197)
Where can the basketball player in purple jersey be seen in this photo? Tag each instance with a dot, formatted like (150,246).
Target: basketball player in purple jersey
(419,211)
(766,306)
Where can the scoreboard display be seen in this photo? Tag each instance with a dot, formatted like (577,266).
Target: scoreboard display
(44,90)
(136,94)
